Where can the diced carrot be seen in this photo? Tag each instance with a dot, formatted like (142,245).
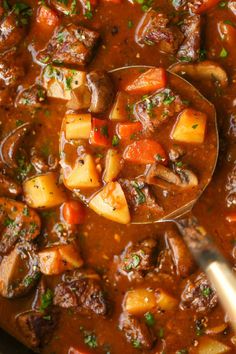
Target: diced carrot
(144,152)
(100,133)
(231,217)
(206,5)
(151,80)
(127,131)
(73,212)
(47,18)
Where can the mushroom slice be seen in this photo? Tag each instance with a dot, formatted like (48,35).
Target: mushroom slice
(10,144)
(19,271)
(204,70)
(102,91)
(164,177)
(17,222)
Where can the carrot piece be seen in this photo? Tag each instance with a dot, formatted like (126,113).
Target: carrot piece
(151,80)
(47,18)
(206,5)
(127,131)
(144,152)
(73,212)
(100,133)
(231,217)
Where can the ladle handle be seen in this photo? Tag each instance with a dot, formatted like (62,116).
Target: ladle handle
(224,281)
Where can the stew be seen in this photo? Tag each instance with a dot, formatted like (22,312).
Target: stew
(110,112)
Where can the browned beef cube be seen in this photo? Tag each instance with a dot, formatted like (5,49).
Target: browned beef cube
(199,295)
(70,45)
(33,96)
(190,48)
(190,5)
(155,28)
(10,70)
(231,188)
(11,31)
(232,6)
(157,108)
(139,258)
(82,291)
(136,332)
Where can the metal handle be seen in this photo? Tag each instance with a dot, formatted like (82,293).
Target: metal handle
(224,281)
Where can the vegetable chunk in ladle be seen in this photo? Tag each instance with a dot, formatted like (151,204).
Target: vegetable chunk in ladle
(151,152)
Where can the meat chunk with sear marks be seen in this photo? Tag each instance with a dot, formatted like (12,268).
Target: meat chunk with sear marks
(36,328)
(140,258)
(155,28)
(136,332)
(231,188)
(8,186)
(189,50)
(70,45)
(157,108)
(33,96)
(10,70)
(199,295)
(82,291)
(12,31)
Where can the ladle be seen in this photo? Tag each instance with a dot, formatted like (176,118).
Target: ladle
(199,242)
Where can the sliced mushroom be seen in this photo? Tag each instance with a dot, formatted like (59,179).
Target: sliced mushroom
(10,144)
(17,222)
(164,177)
(102,91)
(8,187)
(19,271)
(204,70)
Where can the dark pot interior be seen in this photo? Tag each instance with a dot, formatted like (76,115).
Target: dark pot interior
(8,345)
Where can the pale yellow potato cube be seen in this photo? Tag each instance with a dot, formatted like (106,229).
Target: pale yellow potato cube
(78,126)
(43,191)
(209,345)
(165,301)
(190,127)
(84,174)
(113,165)
(58,259)
(60,82)
(111,203)
(119,110)
(139,301)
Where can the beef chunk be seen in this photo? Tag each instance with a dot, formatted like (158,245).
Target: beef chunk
(70,45)
(11,31)
(155,28)
(139,197)
(190,48)
(10,69)
(136,332)
(82,291)
(231,188)
(36,327)
(8,187)
(33,96)
(139,258)
(157,108)
(102,90)
(199,295)
(189,5)
(181,256)
(232,6)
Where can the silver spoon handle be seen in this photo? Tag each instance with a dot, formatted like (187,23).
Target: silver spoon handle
(224,281)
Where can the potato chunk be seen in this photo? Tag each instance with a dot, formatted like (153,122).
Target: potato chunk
(111,203)
(165,301)
(84,174)
(209,345)
(190,127)
(113,165)
(78,126)
(119,111)
(139,301)
(43,191)
(58,259)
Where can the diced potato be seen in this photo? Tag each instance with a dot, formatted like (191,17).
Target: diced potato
(59,81)
(80,98)
(43,191)
(165,301)
(111,203)
(190,127)
(139,301)
(78,126)
(208,345)
(84,174)
(7,270)
(58,259)
(119,110)
(113,165)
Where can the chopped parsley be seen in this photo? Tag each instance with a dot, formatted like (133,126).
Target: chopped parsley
(224,53)
(194,126)
(136,343)
(46,300)
(90,339)
(206,292)
(104,131)
(135,261)
(115,140)
(149,319)
(88,13)
(130,24)
(141,198)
